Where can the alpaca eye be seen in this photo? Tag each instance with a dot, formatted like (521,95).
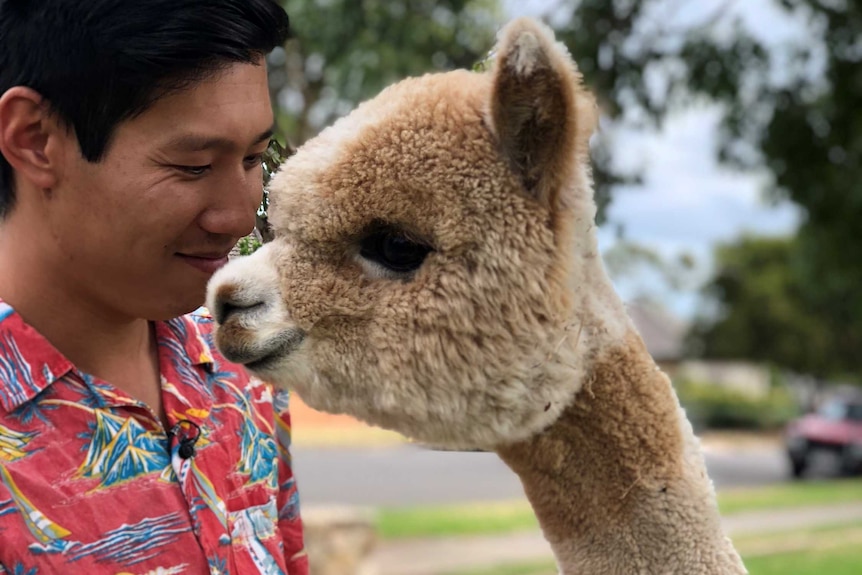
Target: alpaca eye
(394,251)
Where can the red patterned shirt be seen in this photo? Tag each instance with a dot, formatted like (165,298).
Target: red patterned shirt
(90,481)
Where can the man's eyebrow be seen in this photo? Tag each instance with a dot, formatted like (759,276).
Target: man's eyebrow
(265,136)
(199,143)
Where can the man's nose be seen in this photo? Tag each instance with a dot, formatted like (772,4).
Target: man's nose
(233,211)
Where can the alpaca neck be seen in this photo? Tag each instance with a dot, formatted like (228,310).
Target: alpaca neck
(618,483)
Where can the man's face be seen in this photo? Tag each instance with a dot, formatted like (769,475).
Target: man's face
(142,231)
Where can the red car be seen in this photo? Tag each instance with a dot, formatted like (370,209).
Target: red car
(836,427)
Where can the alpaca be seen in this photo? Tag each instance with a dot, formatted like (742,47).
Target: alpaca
(435,271)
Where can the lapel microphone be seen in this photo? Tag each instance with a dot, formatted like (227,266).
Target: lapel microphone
(187,433)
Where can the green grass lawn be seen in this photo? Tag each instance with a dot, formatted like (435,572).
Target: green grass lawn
(823,550)
(507,517)
(539,568)
(451,520)
(841,561)
(798,494)
(835,550)
(846,560)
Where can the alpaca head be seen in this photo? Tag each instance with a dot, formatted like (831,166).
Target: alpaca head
(428,255)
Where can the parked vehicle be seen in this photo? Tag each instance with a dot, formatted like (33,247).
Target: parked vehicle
(836,427)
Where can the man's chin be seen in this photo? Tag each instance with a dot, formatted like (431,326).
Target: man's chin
(178,304)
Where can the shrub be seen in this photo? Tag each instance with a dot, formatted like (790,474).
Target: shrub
(711,406)
(248,245)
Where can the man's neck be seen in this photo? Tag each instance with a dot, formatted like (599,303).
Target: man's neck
(99,341)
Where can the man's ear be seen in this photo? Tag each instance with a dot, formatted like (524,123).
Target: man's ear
(26,132)
(542,116)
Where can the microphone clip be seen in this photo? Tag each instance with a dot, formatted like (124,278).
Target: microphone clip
(188,433)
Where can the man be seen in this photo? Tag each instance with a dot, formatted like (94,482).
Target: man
(131,136)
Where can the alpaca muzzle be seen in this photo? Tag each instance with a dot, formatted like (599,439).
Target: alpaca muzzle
(252,326)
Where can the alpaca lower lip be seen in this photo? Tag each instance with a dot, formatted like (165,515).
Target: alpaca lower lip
(285,344)
(262,364)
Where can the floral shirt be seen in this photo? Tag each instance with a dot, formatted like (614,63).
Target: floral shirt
(90,481)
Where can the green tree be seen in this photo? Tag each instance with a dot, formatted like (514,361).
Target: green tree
(790,109)
(345,51)
(763,310)
(629,261)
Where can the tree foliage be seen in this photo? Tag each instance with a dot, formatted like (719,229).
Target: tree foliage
(629,261)
(345,51)
(768,311)
(790,109)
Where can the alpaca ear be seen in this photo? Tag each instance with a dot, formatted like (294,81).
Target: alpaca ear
(542,116)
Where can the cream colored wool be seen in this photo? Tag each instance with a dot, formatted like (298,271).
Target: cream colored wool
(510,336)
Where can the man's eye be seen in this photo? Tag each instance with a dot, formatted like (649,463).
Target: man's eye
(194,170)
(254,160)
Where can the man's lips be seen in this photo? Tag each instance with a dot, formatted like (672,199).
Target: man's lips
(209,263)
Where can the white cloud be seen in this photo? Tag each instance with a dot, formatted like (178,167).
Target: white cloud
(687,203)
(686,195)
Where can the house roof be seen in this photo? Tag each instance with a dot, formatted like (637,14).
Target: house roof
(662,332)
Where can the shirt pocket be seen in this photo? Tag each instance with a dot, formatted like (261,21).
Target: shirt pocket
(255,538)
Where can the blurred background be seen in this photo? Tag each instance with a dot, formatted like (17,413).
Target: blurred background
(730,190)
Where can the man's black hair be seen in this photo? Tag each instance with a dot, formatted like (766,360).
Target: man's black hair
(100,62)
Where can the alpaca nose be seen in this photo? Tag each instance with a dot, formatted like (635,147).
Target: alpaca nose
(252,330)
(252,323)
(241,291)
(231,303)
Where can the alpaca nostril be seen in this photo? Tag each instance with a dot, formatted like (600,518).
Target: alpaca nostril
(228,304)
(227,309)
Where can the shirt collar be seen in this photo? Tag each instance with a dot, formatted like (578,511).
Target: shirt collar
(190,331)
(29,364)
(28,361)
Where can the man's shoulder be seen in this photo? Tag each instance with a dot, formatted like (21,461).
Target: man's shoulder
(29,363)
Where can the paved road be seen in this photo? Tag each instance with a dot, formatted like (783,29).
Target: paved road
(408,475)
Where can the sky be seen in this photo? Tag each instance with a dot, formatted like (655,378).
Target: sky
(688,203)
